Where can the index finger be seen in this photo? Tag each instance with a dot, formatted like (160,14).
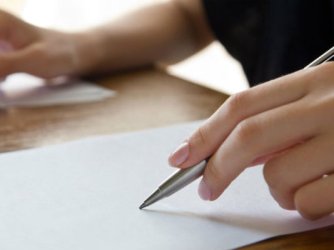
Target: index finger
(208,137)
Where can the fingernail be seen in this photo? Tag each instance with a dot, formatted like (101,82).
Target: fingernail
(180,155)
(204,191)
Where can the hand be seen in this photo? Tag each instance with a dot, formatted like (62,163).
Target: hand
(287,124)
(41,52)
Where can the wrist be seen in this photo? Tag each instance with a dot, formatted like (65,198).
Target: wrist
(87,54)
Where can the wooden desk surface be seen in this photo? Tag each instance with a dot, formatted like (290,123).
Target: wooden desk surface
(146,99)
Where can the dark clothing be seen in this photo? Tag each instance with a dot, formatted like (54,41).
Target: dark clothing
(271,38)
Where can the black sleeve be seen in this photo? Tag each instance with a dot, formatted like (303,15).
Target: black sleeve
(238,25)
(271,38)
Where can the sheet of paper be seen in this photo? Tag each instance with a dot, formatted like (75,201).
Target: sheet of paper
(24,90)
(85,195)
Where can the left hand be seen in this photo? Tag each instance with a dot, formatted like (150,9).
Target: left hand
(42,52)
(287,124)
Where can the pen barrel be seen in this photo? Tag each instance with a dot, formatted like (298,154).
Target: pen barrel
(328,55)
(181,178)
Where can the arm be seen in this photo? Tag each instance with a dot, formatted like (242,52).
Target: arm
(165,32)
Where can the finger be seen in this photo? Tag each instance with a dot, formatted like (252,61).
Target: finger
(282,200)
(315,200)
(7,21)
(16,31)
(31,60)
(259,135)
(13,62)
(214,131)
(299,166)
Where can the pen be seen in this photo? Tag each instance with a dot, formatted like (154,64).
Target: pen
(183,177)
(174,183)
(325,57)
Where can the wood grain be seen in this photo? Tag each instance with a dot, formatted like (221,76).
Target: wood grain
(145,99)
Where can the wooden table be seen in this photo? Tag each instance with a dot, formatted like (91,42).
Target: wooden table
(146,99)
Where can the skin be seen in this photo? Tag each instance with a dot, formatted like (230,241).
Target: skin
(179,30)
(288,125)
(295,111)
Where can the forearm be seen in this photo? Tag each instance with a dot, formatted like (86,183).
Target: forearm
(166,32)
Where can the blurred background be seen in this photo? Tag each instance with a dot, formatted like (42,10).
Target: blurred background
(212,67)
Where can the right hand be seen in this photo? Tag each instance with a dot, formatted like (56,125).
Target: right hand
(287,124)
(37,51)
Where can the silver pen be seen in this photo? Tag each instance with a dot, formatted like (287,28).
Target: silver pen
(183,177)
(325,57)
(175,182)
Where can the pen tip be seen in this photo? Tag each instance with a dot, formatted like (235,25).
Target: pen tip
(143,206)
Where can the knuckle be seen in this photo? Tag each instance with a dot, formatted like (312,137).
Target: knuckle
(200,137)
(236,102)
(247,130)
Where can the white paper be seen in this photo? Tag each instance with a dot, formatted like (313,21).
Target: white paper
(24,90)
(85,195)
